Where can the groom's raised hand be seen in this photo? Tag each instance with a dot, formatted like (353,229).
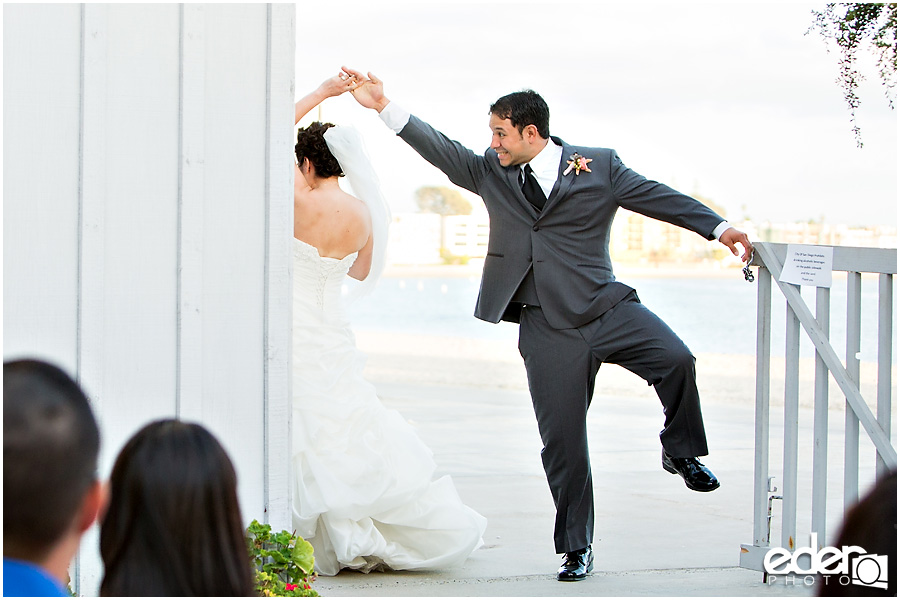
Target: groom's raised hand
(371,93)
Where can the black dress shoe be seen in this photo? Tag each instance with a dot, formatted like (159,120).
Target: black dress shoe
(576,565)
(695,475)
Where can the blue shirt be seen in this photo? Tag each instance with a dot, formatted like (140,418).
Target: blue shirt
(25,579)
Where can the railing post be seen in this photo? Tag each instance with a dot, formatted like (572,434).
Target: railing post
(885,351)
(851,421)
(791,427)
(820,422)
(854,261)
(763,368)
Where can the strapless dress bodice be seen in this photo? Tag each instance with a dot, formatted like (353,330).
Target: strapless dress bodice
(318,280)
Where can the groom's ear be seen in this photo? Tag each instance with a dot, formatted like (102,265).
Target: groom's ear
(530,133)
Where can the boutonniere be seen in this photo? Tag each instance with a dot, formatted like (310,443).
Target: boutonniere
(577,162)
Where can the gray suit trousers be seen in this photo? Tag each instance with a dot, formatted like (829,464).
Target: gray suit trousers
(562,365)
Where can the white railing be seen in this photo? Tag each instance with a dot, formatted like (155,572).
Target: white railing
(855,261)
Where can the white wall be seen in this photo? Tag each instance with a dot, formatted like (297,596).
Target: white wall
(147,207)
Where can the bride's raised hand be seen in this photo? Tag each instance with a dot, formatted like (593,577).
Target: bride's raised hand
(333,86)
(370,92)
(337,85)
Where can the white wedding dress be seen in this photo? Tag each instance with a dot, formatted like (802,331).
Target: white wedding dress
(364,492)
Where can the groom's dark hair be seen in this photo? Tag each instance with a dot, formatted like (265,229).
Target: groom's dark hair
(522,109)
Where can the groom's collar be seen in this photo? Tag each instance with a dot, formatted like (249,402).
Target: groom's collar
(546,162)
(557,141)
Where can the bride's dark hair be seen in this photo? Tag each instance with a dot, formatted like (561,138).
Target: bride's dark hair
(173,527)
(311,144)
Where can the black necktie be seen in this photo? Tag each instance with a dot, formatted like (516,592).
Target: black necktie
(531,189)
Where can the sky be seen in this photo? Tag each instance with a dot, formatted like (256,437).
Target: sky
(728,101)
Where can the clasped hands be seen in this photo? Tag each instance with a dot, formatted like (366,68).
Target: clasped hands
(366,88)
(340,83)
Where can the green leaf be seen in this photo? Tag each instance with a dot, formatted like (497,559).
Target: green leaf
(302,556)
(283,538)
(257,529)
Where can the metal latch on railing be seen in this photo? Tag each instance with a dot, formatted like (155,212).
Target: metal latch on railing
(772,496)
(748,274)
(770,486)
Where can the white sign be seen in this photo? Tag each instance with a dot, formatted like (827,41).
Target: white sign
(808,265)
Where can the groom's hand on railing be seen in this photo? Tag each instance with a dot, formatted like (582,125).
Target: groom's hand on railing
(732,236)
(371,91)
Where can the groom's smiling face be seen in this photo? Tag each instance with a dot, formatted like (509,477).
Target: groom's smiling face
(511,146)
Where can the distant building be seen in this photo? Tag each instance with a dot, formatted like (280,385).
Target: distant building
(825,234)
(415,239)
(634,238)
(467,235)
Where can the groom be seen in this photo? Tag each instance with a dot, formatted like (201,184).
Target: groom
(551,206)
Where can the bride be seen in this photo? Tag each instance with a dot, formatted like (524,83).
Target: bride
(364,493)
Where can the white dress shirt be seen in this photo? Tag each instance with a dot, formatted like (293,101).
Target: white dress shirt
(545,165)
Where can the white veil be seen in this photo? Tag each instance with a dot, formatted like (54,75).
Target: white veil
(347,146)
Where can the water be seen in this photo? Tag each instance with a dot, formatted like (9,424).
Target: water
(711,315)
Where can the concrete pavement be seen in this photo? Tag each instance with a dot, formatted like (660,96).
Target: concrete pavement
(654,537)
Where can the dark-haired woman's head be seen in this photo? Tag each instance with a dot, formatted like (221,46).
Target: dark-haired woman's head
(311,145)
(173,527)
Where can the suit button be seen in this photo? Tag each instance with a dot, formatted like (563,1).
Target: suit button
(536,228)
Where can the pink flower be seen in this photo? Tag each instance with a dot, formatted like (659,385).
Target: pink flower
(290,586)
(578,163)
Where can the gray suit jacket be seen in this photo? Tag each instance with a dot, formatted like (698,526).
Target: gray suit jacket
(568,241)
